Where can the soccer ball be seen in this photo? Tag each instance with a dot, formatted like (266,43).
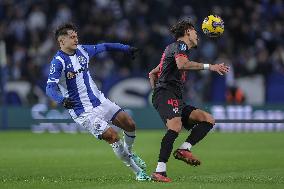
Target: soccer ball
(213,26)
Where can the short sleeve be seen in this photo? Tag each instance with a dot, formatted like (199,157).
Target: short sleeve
(181,50)
(55,70)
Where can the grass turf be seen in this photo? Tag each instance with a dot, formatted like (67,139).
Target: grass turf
(229,160)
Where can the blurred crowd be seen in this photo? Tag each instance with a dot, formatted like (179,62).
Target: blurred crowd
(253,42)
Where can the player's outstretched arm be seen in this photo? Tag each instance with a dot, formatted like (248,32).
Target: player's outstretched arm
(112,47)
(121,47)
(93,50)
(153,76)
(184,64)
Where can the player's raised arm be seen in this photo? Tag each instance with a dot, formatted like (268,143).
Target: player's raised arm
(93,50)
(153,76)
(52,84)
(184,64)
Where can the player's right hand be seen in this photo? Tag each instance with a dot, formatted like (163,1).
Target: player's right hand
(133,51)
(220,68)
(68,103)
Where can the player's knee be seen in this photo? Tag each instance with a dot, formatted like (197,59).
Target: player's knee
(177,129)
(209,118)
(113,138)
(174,124)
(110,136)
(205,117)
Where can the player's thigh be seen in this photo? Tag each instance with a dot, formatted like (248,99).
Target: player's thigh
(198,115)
(109,110)
(124,121)
(94,123)
(169,107)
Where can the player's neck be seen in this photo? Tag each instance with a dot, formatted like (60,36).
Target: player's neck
(186,41)
(68,51)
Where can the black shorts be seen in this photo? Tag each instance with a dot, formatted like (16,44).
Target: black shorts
(170,105)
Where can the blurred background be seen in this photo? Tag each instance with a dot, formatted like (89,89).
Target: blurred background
(252,44)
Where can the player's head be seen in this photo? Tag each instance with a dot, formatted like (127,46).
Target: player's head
(66,35)
(185,29)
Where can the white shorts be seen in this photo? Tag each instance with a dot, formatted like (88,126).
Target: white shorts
(98,120)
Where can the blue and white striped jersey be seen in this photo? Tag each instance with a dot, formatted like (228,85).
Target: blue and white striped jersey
(71,74)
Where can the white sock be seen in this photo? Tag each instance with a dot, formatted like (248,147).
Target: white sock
(124,156)
(129,138)
(185,146)
(161,167)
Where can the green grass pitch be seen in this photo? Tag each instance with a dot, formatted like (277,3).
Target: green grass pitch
(229,160)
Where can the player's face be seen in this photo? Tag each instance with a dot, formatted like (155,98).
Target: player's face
(70,41)
(193,37)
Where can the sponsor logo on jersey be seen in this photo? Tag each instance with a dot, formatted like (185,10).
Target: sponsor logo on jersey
(71,75)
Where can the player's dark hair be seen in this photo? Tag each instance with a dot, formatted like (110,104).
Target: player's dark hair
(62,29)
(180,27)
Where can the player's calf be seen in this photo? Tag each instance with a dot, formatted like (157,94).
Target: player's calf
(198,132)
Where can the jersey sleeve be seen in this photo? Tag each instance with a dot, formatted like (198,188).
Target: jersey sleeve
(93,50)
(181,50)
(55,70)
(52,90)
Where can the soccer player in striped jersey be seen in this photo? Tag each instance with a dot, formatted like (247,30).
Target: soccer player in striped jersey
(70,84)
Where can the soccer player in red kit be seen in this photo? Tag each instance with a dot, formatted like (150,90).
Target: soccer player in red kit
(167,80)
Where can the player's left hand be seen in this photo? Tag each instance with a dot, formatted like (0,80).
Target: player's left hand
(153,77)
(220,68)
(68,103)
(133,51)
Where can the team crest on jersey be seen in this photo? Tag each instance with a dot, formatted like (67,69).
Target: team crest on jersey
(183,47)
(82,60)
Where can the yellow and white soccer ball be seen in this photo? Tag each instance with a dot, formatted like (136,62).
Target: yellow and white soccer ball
(213,26)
